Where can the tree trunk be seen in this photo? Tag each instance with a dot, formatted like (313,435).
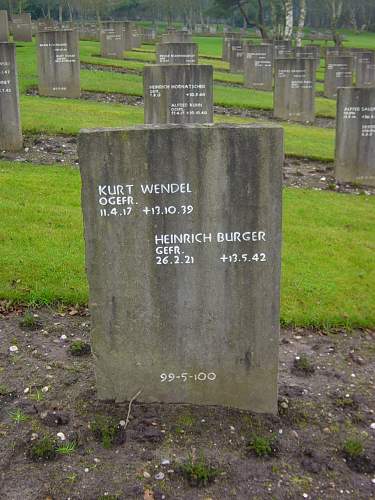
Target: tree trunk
(301,22)
(336,8)
(260,23)
(60,14)
(288,31)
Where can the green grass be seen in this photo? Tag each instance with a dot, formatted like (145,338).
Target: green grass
(329,243)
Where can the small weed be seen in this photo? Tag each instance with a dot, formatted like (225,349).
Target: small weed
(72,478)
(198,472)
(79,348)
(67,448)
(43,449)
(108,431)
(186,420)
(331,186)
(303,366)
(3,390)
(346,403)
(38,395)
(353,448)
(29,321)
(18,416)
(263,446)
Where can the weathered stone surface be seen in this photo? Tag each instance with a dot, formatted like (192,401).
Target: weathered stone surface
(149,34)
(227,37)
(177,53)
(177,37)
(309,52)
(258,67)
(184,287)
(365,69)
(112,40)
(21,28)
(355,136)
(236,56)
(10,123)
(283,49)
(294,95)
(178,93)
(339,73)
(58,63)
(4,27)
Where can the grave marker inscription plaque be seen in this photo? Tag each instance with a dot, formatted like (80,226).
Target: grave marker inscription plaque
(183,232)
(178,93)
(58,63)
(177,53)
(258,67)
(22,28)
(10,122)
(355,136)
(339,73)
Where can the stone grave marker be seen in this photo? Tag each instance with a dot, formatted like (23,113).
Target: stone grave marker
(58,63)
(178,93)
(183,236)
(283,49)
(236,56)
(112,41)
(355,136)
(226,38)
(294,94)
(177,53)
(10,122)
(21,28)
(4,26)
(339,73)
(176,37)
(365,69)
(258,67)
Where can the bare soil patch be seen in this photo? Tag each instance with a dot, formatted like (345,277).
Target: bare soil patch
(45,390)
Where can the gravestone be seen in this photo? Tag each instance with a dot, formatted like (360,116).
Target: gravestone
(365,69)
(149,34)
(10,123)
(136,38)
(112,41)
(58,63)
(283,49)
(177,53)
(226,39)
(183,232)
(355,136)
(294,94)
(4,27)
(176,37)
(21,28)
(178,93)
(339,73)
(236,56)
(128,31)
(309,52)
(258,67)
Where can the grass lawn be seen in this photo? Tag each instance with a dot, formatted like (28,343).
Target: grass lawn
(329,243)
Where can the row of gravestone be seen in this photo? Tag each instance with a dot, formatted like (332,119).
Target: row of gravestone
(183,93)
(260,63)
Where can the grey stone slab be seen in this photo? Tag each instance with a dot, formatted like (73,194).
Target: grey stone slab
(294,94)
(4,26)
(183,233)
(236,56)
(339,73)
(365,69)
(21,28)
(112,40)
(355,136)
(177,53)
(226,43)
(10,122)
(177,37)
(58,63)
(283,49)
(258,67)
(178,93)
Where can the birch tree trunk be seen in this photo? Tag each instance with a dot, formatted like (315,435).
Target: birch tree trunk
(301,22)
(288,31)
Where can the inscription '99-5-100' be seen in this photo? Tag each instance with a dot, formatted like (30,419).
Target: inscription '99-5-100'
(130,201)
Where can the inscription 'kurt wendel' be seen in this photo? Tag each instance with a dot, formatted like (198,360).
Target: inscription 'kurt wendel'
(125,189)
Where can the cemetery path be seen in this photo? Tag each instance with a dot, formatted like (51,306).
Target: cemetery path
(43,149)
(326,402)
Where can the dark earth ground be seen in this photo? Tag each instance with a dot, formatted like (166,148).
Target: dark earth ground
(298,172)
(325,402)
